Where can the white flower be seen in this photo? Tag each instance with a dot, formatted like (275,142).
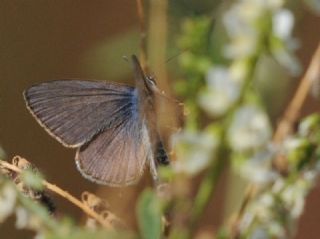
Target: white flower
(310,176)
(259,233)
(282,24)
(293,198)
(266,200)
(237,20)
(250,129)
(292,143)
(239,25)
(278,185)
(258,169)
(242,46)
(27,220)
(7,201)
(276,229)
(239,70)
(287,59)
(262,207)
(22,216)
(222,91)
(194,151)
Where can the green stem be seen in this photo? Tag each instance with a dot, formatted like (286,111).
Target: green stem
(209,183)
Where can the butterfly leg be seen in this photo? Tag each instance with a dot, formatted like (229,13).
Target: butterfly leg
(153,170)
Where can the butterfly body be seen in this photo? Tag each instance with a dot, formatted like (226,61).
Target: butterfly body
(113,126)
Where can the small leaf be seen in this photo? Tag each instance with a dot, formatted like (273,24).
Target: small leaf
(149,215)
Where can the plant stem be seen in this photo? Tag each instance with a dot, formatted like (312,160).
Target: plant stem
(143,35)
(292,112)
(208,185)
(157,41)
(64,194)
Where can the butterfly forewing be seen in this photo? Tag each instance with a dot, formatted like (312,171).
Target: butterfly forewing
(74,111)
(116,157)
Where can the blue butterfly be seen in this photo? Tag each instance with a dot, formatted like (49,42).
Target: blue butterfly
(113,126)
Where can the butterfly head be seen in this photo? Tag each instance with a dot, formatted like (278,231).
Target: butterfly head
(143,82)
(151,84)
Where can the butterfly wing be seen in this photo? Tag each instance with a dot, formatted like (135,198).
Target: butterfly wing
(74,111)
(116,157)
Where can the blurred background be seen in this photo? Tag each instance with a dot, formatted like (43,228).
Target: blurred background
(46,40)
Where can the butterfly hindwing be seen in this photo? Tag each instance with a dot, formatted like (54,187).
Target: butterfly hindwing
(116,157)
(74,111)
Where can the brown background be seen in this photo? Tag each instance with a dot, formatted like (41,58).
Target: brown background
(44,40)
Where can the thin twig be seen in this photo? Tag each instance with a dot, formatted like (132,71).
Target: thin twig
(207,189)
(291,115)
(64,194)
(250,193)
(143,35)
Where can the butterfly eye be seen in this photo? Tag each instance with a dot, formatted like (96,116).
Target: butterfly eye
(151,81)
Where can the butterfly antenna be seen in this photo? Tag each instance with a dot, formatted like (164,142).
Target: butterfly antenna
(178,54)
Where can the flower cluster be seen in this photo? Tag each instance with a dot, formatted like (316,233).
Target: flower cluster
(220,88)
(275,211)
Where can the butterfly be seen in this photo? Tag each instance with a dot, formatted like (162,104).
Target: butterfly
(113,126)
